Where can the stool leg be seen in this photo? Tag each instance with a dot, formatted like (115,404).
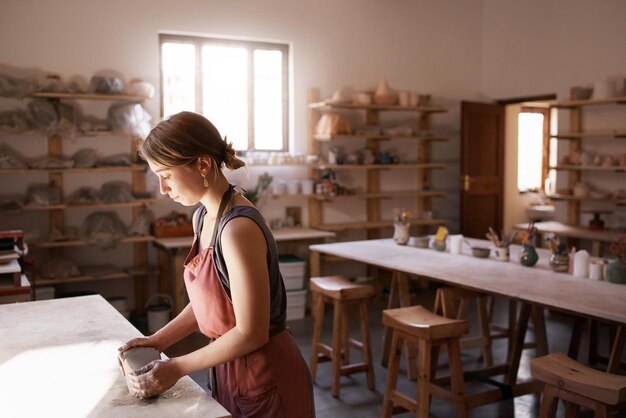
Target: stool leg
(549,402)
(423,379)
(318,319)
(457,382)
(367,347)
(337,337)
(395,352)
(572,410)
(345,351)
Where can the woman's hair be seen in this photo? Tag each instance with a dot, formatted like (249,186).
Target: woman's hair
(183,138)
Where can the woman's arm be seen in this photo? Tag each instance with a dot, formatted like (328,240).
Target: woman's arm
(245,250)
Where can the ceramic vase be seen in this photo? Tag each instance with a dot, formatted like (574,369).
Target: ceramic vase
(616,271)
(439,245)
(401,232)
(559,262)
(528,257)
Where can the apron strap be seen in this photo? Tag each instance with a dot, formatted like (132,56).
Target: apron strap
(228,195)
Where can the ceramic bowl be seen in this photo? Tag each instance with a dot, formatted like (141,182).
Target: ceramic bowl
(421,242)
(480,252)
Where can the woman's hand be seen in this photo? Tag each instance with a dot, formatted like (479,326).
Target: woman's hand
(154,378)
(150,341)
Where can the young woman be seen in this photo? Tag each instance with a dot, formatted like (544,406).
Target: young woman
(237,296)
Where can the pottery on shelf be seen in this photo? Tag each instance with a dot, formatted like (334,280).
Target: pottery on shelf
(528,256)
(384,95)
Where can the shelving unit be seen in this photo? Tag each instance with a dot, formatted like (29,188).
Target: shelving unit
(369,201)
(57,212)
(575,136)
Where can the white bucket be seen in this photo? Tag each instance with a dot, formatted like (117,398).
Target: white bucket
(158,314)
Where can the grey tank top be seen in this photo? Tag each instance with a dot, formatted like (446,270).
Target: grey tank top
(278,297)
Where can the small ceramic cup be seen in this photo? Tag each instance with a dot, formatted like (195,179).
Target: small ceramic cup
(502,253)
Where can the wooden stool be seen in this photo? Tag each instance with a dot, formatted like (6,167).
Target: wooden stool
(417,325)
(340,292)
(577,385)
(451,302)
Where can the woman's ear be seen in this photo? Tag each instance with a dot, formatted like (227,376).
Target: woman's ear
(204,165)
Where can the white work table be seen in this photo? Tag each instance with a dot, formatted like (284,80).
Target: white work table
(59,358)
(537,285)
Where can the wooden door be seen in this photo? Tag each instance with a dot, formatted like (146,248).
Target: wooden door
(482,168)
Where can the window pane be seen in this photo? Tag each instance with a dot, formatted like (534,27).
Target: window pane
(529,151)
(179,74)
(268,100)
(225,91)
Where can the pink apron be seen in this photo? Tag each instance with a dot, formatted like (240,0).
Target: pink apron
(273,381)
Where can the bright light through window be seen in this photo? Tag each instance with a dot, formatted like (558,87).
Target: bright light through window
(268,100)
(529,151)
(241,86)
(179,74)
(225,91)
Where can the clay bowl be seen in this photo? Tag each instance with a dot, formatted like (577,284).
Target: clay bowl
(480,252)
(421,242)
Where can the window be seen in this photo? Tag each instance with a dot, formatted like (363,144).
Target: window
(240,86)
(532,151)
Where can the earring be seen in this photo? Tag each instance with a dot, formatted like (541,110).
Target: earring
(205,183)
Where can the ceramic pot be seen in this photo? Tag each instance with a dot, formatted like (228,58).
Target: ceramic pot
(439,245)
(528,257)
(401,233)
(559,263)
(616,271)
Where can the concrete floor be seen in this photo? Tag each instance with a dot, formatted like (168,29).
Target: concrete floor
(356,400)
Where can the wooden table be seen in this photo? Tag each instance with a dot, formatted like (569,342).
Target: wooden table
(173,251)
(597,237)
(531,286)
(59,358)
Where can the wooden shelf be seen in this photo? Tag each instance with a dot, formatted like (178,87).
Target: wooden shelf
(590,102)
(615,134)
(119,275)
(382,195)
(617,169)
(382,137)
(133,204)
(323,166)
(375,225)
(79,243)
(90,96)
(567,197)
(7,134)
(422,109)
(108,169)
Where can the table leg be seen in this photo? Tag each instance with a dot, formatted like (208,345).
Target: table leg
(315,268)
(616,351)
(517,345)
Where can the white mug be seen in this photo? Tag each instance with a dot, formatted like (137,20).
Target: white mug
(455,244)
(596,271)
(502,253)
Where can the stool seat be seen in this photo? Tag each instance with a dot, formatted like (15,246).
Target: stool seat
(567,374)
(423,324)
(340,288)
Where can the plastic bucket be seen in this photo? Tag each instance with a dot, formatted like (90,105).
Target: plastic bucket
(158,313)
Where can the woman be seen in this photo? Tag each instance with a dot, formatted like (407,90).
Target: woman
(237,296)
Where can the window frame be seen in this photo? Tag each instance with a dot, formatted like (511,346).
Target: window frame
(199,41)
